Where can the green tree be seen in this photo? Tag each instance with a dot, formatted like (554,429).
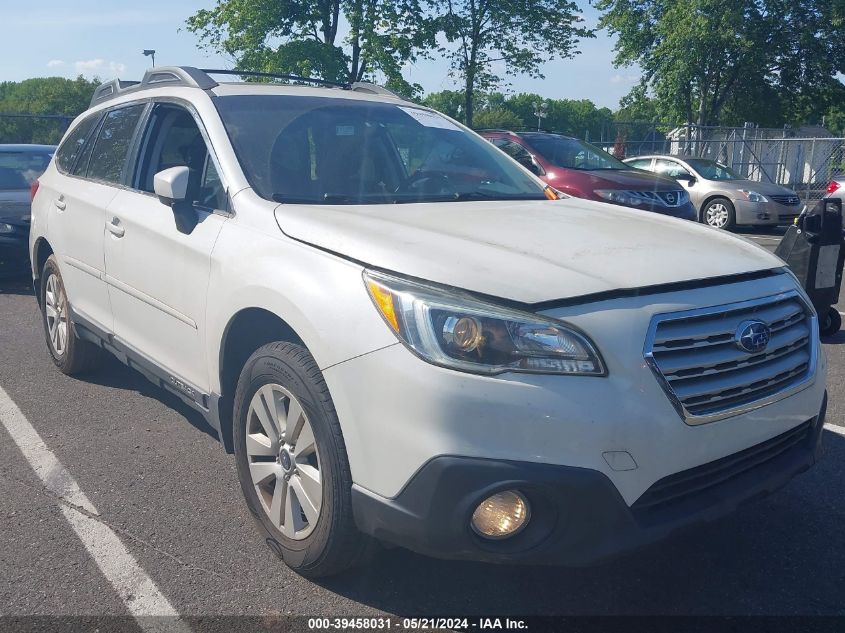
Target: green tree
(302,37)
(496,118)
(489,37)
(449,102)
(45,96)
(704,58)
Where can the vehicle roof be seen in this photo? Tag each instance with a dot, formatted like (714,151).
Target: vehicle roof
(527,134)
(26,147)
(164,80)
(247,88)
(684,157)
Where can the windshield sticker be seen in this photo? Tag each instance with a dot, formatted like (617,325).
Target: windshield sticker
(344,130)
(429,119)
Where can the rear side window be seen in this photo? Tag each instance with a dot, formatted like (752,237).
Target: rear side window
(18,170)
(110,150)
(69,151)
(641,164)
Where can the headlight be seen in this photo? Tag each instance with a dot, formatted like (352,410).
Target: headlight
(5,229)
(683,198)
(618,196)
(753,196)
(454,329)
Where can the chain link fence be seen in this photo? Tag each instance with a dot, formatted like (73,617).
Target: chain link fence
(804,160)
(44,129)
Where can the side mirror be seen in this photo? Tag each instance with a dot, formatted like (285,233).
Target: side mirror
(171,187)
(689,178)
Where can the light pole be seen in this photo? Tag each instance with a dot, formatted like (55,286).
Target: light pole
(541,111)
(150,53)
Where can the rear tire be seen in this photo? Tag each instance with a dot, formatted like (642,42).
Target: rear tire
(720,214)
(71,354)
(288,439)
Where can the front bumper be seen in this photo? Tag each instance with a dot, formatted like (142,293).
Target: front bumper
(577,515)
(683,212)
(765,213)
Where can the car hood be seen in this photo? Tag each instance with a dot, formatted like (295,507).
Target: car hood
(766,188)
(630,179)
(527,251)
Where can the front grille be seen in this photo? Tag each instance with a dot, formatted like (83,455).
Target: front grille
(661,198)
(680,486)
(789,201)
(709,376)
(672,198)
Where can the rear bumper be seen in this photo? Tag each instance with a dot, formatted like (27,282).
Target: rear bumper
(578,516)
(14,256)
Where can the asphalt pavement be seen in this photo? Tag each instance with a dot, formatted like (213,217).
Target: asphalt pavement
(161,484)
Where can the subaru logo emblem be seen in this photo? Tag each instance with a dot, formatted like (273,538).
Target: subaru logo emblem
(752,336)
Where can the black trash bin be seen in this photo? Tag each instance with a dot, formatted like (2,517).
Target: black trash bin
(814,250)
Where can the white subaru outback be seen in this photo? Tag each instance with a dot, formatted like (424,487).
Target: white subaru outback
(403,339)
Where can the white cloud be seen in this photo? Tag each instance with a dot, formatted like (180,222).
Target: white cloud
(100,67)
(55,63)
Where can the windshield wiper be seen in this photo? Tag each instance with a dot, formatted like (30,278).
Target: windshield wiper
(483,195)
(328,198)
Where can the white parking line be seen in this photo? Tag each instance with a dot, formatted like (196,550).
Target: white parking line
(835,428)
(137,590)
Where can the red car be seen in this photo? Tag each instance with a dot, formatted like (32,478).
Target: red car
(585,171)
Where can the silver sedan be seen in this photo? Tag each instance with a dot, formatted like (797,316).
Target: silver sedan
(723,198)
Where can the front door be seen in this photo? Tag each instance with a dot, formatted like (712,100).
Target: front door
(158,276)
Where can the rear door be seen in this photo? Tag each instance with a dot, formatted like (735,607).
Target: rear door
(158,276)
(94,160)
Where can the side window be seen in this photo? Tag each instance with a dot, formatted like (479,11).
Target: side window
(644,163)
(109,155)
(67,154)
(518,153)
(173,139)
(669,168)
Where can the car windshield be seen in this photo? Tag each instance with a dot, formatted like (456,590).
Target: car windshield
(319,150)
(572,153)
(711,170)
(19,169)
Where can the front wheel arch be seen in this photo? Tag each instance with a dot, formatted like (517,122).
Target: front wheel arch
(247,331)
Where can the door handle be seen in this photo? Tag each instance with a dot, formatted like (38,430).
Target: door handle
(115,228)
(60,203)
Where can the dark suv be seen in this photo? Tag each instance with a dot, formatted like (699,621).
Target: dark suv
(585,171)
(20,167)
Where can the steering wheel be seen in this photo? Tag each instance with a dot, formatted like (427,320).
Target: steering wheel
(431,182)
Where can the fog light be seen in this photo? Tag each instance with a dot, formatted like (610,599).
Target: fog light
(502,515)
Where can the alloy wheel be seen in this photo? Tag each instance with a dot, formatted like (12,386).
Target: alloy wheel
(55,305)
(284,461)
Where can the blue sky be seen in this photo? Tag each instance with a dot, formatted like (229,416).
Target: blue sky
(105,38)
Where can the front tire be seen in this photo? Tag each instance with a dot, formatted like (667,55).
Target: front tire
(830,323)
(71,354)
(292,463)
(720,214)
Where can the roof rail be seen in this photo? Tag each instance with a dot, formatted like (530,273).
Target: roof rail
(250,73)
(176,75)
(373,89)
(199,78)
